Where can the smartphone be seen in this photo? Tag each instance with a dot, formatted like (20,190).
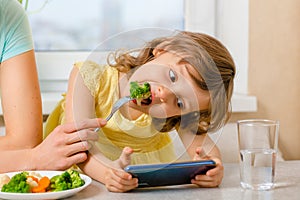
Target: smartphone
(178,173)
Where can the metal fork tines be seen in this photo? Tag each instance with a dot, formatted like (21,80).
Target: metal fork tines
(117,105)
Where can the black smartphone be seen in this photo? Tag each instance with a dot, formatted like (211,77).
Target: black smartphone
(178,173)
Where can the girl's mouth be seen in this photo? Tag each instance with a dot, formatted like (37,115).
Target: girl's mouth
(147,101)
(143,102)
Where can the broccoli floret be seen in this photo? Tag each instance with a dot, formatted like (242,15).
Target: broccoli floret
(67,180)
(139,92)
(17,184)
(76,180)
(60,182)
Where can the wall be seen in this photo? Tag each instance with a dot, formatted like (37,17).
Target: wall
(274,68)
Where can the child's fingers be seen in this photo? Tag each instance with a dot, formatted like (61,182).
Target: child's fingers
(199,154)
(125,158)
(212,178)
(217,170)
(120,181)
(204,183)
(203,178)
(207,181)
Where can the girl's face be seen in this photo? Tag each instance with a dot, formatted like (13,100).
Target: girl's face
(173,90)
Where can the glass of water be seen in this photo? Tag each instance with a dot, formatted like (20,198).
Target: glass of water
(258,146)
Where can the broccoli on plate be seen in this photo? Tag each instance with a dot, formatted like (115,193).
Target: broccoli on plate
(17,184)
(67,180)
(76,180)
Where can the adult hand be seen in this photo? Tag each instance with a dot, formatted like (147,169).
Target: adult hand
(66,145)
(213,177)
(116,179)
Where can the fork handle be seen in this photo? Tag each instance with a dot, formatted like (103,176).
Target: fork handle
(109,116)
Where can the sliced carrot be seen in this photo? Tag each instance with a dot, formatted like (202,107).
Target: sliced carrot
(43,183)
(38,189)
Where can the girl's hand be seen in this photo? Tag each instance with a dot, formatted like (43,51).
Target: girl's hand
(66,145)
(213,177)
(116,179)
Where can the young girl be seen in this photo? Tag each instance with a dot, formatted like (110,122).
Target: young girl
(191,78)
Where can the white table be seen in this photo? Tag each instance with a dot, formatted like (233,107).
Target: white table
(287,187)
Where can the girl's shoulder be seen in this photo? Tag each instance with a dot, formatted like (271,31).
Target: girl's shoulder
(95,75)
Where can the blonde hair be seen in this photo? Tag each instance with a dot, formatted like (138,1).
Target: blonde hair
(216,69)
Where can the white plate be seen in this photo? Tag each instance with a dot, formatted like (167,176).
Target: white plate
(46,195)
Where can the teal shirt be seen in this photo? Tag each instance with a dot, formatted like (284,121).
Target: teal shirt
(15,32)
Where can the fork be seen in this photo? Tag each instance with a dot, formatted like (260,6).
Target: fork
(118,104)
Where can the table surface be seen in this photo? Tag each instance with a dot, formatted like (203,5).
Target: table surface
(287,186)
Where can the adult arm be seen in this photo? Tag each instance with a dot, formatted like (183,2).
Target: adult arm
(21,102)
(64,147)
(20,93)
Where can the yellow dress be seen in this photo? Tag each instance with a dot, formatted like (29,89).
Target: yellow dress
(149,145)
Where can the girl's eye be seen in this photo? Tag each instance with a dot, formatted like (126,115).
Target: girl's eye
(179,103)
(172,75)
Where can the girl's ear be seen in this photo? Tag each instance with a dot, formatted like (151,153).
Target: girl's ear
(156,52)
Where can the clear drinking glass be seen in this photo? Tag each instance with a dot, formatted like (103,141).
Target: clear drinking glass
(258,146)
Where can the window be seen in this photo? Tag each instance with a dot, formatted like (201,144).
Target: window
(76,25)
(67,30)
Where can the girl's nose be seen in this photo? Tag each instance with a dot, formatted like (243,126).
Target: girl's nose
(163,94)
